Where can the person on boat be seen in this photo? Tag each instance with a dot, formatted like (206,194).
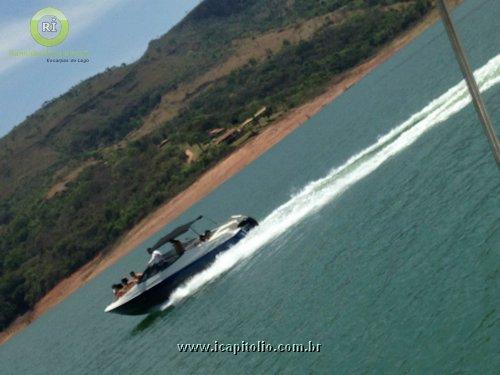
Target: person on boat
(116,289)
(136,278)
(178,246)
(205,236)
(156,256)
(122,288)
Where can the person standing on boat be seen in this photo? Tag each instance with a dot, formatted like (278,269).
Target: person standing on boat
(156,256)
(178,246)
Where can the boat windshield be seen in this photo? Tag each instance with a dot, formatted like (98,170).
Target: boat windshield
(167,260)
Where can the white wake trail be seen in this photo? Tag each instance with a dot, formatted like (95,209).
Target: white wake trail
(319,193)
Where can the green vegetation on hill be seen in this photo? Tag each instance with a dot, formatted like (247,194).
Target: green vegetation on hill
(44,238)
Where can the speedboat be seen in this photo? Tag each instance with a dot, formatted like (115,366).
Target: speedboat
(159,280)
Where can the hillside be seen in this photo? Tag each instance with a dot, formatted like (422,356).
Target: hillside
(87,166)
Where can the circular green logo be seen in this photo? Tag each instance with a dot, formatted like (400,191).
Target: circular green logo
(49,27)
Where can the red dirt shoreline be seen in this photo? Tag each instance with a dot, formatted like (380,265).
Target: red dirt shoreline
(212,178)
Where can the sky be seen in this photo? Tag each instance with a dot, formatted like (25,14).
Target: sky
(112,31)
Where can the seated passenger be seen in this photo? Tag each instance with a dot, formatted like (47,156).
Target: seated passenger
(125,286)
(205,236)
(136,278)
(156,256)
(178,246)
(116,288)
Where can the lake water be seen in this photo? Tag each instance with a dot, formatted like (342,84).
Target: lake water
(379,240)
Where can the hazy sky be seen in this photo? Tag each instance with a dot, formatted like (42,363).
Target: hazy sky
(112,31)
